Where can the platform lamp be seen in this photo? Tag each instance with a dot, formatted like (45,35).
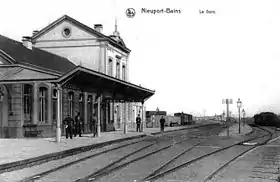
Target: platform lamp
(243,112)
(239,104)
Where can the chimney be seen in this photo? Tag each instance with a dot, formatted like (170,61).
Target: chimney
(35,32)
(98,27)
(26,41)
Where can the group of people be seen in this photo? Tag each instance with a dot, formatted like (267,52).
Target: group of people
(74,127)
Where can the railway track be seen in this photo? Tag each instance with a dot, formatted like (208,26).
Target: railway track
(165,169)
(18,165)
(119,164)
(160,174)
(151,141)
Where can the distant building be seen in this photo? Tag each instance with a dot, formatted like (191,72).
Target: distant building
(153,117)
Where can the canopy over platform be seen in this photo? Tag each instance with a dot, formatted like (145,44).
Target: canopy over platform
(112,88)
(80,78)
(18,73)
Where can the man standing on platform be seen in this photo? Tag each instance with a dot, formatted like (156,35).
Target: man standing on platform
(68,122)
(138,123)
(78,123)
(94,126)
(162,121)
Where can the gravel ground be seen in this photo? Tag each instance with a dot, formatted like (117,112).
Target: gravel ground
(199,170)
(141,169)
(26,172)
(85,168)
(260,164)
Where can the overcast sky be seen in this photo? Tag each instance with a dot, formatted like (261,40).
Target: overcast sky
(192,60)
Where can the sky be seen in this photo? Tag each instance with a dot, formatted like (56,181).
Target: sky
(192,60)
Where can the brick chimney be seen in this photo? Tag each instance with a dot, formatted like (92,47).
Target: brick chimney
(98,27)
(26,41)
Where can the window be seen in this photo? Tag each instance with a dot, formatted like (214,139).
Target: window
(54,105)
(89,108)
(71,104)
(110,67)
(66,32)
(10,99)
(118,74)
(81,105)
(43,104)
(27,102)
(123,72)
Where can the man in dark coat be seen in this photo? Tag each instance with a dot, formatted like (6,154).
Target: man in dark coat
(162,121)
(94,126)
(78,124)
(68,122)
(138,123)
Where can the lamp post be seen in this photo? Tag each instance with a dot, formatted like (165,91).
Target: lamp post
(243,112)
(239,103)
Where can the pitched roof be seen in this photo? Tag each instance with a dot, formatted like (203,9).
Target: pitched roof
(37,57)
(110,39)
(18,72)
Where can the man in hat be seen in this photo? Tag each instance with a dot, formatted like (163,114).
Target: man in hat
(138,123)
(78,124)
(162,121)
(68,122)
(94,125)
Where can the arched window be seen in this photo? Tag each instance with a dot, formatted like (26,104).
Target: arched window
(10,98)
(43,104)
(118,70)
(110,67)
(123,72)
(89,110)
(81,105)
(54,104)
(27,102)
(71,104)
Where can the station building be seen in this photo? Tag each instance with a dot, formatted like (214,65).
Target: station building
(65,68)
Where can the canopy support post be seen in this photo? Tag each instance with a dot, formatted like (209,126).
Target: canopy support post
(98,114)
(142,123)
(58,129)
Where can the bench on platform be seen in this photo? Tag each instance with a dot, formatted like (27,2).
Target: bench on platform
(31,130)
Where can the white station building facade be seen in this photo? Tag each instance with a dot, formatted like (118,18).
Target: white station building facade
(66,68)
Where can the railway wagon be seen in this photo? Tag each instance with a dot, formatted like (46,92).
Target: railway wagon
(267,119)
(186,119)
(172,121)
